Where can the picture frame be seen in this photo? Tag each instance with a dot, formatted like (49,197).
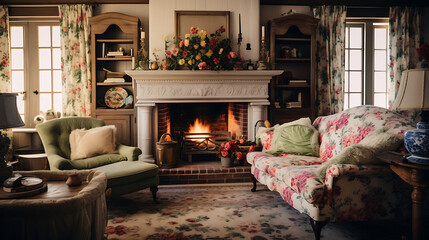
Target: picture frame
(208,21)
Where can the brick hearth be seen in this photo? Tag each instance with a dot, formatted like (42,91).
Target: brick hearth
(204,172)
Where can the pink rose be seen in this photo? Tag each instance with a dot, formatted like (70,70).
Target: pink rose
(216,61)
(194,30)
(252,148)
(181,43)
(168,53)
(242,141)
(227,146)
(239,155)
(232,54)
(185,53)
(224,153)
(221,29)
(203,66)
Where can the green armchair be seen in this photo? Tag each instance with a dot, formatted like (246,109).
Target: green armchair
(125,173)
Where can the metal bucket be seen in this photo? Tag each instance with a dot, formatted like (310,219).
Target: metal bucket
(166,152)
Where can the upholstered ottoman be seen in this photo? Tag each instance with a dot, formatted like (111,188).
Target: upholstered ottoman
(129,176)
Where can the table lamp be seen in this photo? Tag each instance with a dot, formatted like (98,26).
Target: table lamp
(413,94)
(9,118)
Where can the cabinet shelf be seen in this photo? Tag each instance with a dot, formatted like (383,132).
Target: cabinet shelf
(294,39)
(105,110)
(130,41)
(292,86)
(293,59)
(115,84)
(126,58)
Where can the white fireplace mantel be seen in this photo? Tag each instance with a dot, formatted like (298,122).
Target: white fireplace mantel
(185,86)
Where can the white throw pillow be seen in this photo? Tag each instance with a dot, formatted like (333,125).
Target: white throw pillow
(92,142)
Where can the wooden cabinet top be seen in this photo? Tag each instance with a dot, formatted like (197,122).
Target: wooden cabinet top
(305,23)
(100,23)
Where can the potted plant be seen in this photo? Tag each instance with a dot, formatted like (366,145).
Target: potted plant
(244,147)
(226,151)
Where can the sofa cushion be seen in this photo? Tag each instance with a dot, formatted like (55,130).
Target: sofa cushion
(351,126)
(97,161)
(92,142)
(298,139)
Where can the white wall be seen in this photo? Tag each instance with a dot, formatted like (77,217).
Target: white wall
(136,10)
(161,21)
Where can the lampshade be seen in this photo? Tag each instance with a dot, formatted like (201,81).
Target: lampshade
(9,115)
(413,91)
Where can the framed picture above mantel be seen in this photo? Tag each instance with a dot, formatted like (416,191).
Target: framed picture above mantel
(208,21)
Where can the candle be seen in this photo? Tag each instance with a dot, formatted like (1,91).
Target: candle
(133,62)
(263,33)
(143,35)
(239,22)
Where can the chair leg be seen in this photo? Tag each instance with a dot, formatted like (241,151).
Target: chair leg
(254,184)
(317,227)
(154,189)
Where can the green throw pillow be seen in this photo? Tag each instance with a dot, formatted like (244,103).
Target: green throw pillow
(298,139)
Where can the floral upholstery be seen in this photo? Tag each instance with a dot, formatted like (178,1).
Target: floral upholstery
(341,130)
(349,192)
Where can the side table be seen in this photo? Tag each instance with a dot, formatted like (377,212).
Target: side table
(415,175)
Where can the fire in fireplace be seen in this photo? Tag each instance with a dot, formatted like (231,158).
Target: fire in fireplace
(201,127)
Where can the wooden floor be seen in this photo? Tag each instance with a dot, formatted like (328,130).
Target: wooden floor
(201,172)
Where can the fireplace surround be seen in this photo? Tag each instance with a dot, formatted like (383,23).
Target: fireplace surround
(153,88)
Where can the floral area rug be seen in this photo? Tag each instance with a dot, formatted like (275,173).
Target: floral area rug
(222,212)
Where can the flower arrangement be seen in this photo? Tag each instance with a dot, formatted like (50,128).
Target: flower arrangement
(237,150)
(199,51)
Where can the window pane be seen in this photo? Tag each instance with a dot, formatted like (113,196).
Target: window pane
(355,82)
(347,60)
(17,81)
(44,36)
(380,100)
(56,36)
(16,36)
(45,81)
(57,81)
(17,58)
(355,99)
(58,102)
(56,58)
(380,82)
(355,37)
(380,60)
(45,101)
(347,37)
(20,103)
(355,59)
(346,82)
(380,38)
(45,58)
(346,101)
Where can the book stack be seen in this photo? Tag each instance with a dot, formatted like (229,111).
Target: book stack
(114,77)
(295,104)
(115,54)
(23,184)
(292,82)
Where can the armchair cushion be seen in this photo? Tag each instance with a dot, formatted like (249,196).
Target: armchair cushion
(92,142)
(97,161)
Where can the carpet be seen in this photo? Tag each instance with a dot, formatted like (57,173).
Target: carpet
(227,211)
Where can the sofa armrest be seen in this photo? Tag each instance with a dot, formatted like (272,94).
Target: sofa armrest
(339,170)
(132,153)
(57,162)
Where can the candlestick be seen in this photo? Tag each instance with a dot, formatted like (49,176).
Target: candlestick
(239,22)
(263,33)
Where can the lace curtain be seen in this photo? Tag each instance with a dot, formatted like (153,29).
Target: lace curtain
(330,41)
(75,59)
(5,85)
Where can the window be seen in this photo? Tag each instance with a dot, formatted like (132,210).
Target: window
(366,62)
(36,67)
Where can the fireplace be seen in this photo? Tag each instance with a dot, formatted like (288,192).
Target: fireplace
(201,127)
(241,96)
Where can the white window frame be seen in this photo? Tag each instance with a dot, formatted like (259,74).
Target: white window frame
(369,25)
(31,66)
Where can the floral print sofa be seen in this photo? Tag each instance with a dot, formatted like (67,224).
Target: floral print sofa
(349,192)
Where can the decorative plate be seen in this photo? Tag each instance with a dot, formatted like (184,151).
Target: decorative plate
(115,97)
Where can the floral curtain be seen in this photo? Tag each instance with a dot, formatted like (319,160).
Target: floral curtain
(75,59)
(405,25)
(330,40)
(5,85)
